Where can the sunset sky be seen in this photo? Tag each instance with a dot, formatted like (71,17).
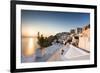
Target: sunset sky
(50,23)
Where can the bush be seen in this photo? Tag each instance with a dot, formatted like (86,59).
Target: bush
(45,41)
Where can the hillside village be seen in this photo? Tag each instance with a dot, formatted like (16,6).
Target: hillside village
(79,37)
(64,46)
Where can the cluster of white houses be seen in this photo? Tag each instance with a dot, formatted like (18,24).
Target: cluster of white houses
(80,37)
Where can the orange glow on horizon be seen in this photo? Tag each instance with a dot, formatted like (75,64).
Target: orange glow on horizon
(31,31)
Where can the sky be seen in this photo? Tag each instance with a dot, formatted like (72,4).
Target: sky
(50,22)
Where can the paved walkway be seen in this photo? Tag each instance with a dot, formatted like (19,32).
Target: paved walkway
(54,53)
(70,53)
(49,52)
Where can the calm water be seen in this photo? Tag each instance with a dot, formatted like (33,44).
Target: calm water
(29,45)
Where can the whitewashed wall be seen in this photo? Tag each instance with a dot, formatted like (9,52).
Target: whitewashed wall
(84,43)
